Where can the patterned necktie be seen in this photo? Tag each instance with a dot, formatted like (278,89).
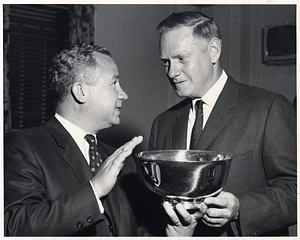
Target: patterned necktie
(95,159)
(197,128)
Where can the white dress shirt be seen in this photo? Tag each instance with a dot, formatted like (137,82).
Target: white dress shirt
(78,135)
(209,99)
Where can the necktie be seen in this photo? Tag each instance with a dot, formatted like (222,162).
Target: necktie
(197,128)
(95,159)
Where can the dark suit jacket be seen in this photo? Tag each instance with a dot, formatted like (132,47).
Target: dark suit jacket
(47,189)
(259,128)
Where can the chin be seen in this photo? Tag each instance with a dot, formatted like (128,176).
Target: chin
(181,94)
(116,122)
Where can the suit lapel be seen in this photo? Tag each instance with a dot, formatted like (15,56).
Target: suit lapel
(72,153)
(220,114)
(179,131)
(77,162)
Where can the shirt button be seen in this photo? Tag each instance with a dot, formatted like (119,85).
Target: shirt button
(79,224)
(90,219)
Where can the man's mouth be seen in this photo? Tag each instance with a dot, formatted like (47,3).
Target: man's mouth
(178,82)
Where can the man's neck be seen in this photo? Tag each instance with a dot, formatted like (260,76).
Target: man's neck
(74,118)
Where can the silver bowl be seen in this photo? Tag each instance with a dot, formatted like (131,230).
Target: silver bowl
(185,174)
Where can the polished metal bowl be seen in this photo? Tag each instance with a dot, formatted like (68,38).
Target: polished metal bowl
(185,173)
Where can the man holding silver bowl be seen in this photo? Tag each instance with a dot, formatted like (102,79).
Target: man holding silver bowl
(256,126)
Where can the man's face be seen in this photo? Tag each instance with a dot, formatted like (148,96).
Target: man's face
(187,62)
(105,99)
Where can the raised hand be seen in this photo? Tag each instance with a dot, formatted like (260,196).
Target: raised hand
(106,177)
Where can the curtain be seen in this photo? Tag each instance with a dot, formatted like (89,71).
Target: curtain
(6,99)
(81,29)
(81,24)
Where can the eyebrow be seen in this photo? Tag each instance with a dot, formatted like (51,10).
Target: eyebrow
(183,54)
(116,77)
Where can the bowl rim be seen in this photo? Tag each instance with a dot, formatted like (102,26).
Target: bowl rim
(227,155)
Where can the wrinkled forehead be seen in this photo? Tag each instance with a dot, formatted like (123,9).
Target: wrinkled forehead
(180,37)
(181,33)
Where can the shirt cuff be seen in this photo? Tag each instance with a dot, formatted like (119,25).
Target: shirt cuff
(98,200)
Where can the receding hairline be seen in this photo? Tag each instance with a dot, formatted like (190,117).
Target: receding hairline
(100,56)
(202,25)
(176,20)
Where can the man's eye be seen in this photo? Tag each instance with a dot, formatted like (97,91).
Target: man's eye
(181,59)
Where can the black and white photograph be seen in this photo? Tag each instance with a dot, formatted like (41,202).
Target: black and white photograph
(149,120)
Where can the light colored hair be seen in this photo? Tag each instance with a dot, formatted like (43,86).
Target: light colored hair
(76,64)
(204,27)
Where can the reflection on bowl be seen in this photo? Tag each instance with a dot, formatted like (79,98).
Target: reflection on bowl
(185,173)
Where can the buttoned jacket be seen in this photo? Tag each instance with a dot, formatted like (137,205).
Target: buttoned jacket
(258,128)
(47,190)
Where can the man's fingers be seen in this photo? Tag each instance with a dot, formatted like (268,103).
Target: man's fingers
(220,202)
(180,217)
(123,152)
(129,146)
(126,150)
(171,213)
(200,212)
(185,217)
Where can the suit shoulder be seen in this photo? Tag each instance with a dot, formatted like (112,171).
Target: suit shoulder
(261,100)
(248,92)
(260,95)
(28,134)
(32,141)
(174,109)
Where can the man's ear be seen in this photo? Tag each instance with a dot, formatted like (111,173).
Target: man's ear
(215,49)
(79,92)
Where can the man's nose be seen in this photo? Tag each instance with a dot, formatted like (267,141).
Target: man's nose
(174,70)
(122,95)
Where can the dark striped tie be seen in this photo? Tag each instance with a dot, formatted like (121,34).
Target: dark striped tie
(197,128)
(95,159)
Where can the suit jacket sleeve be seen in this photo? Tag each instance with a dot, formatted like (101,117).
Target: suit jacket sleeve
(29,210)
(274,207)
(259,129)
(152,139)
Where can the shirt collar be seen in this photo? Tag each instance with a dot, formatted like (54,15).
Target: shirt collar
(211,96)
(77,133)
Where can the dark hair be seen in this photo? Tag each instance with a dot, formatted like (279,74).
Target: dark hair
(76,64)
(203,25)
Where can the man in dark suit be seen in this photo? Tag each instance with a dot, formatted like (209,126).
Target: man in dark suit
(256,126)
(50,189)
